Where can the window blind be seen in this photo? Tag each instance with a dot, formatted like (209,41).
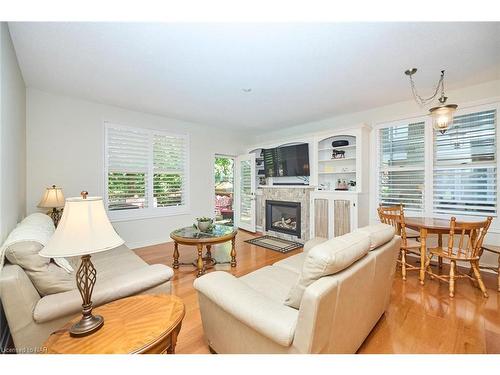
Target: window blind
(127,153)
(465,166)
(146,169)
(169,160)
(401,166)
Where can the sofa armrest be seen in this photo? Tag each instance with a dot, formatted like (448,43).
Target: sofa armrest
(316,313)
(271,319)
(18,296)
(58,305)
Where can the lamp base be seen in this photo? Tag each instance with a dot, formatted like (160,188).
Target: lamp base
(55,215)
(87,325)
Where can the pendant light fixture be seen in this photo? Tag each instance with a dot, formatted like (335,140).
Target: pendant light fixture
(442,115)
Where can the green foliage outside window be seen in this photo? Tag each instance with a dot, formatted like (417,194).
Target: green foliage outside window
(167,189)
(223,169)
(126,190)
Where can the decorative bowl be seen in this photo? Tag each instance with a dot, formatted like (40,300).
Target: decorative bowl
(340,143)
(204,224)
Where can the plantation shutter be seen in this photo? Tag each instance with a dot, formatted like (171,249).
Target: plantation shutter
(401,166)
(465,166)
(127,154)
(146,171)
(169,163)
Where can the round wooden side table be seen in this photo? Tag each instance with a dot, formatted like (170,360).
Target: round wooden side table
(193,237)
(143,324)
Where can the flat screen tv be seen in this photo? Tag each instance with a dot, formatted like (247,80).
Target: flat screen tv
(287,161)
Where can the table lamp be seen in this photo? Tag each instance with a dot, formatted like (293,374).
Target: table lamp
(53,198)
(84,229)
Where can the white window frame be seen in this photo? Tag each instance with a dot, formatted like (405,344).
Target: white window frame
(149,212)
(429,163)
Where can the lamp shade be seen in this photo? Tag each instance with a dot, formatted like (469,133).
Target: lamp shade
(84,229)
(442,117)
(53,197)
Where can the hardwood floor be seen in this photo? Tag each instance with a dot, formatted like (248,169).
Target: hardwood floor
(418,320)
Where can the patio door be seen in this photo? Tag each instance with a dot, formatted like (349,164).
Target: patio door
(245,192)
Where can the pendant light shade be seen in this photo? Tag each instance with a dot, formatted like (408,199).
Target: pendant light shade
(442,117)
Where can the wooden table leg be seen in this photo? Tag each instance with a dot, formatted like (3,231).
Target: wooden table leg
(233,252)
(209,253)
(173,340)
(176,256)
(200,264)
(423,253)
(440,244)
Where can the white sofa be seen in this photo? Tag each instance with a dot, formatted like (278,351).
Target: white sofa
(32,317)
(250,314)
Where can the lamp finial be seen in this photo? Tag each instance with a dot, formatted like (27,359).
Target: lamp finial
(84,194)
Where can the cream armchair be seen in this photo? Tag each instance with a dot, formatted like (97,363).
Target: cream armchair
(336,312)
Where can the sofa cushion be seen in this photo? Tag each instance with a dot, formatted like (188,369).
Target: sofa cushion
(47,277)
(379,234)
(273,282)
(293,263)
(115,262)
(313,242)
(326,259)
(124,284)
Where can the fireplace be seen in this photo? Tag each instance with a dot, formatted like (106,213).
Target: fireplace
(284,217)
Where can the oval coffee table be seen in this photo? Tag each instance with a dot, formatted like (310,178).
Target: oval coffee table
(191,236)
(147,324)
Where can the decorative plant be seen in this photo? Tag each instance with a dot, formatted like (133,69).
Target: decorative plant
(204,218)
(204,224)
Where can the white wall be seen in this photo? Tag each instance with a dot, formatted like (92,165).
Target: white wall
(12,137)
(402,110)
(65,142)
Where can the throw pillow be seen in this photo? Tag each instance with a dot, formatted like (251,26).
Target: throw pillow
(47,277)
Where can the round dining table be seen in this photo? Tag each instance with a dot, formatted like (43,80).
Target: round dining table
(426,226)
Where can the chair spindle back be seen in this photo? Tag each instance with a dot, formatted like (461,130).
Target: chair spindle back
(471,237)
(394,215)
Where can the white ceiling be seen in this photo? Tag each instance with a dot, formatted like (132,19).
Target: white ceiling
(297,72)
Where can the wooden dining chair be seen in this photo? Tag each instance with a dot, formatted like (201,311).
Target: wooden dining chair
(410,233)
(468,249)
(394,215)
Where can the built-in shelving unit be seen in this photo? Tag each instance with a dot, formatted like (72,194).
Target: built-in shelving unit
(341,168)
(338,148)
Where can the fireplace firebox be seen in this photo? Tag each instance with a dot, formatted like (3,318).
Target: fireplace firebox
(284,217)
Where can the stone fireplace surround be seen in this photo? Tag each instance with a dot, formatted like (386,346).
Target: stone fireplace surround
(299,194)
